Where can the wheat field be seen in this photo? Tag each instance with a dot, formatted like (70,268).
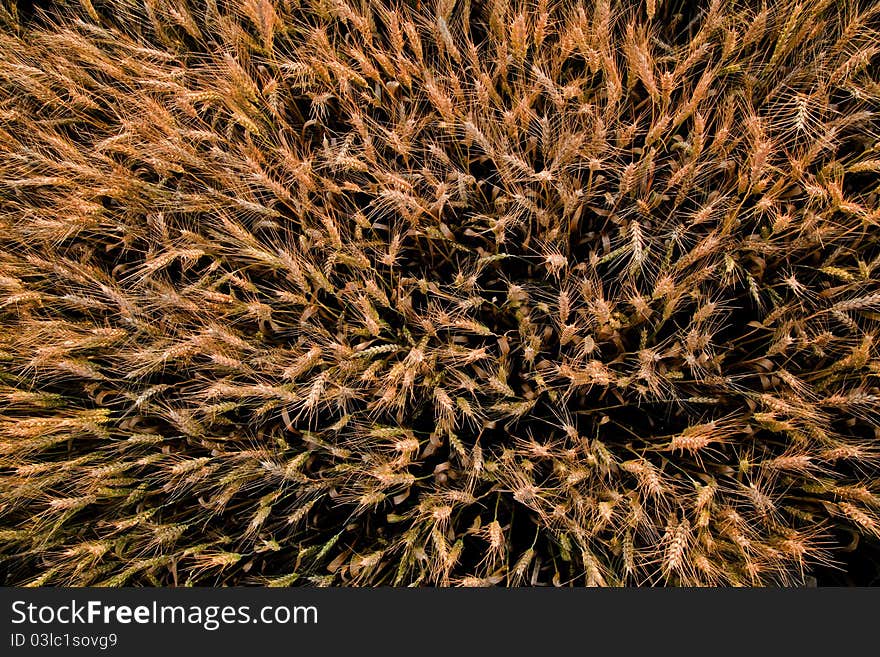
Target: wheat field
(439,292)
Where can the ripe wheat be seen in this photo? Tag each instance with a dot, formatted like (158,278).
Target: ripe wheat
(363,292)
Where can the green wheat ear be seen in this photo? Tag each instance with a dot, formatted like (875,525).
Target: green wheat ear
(414,294)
